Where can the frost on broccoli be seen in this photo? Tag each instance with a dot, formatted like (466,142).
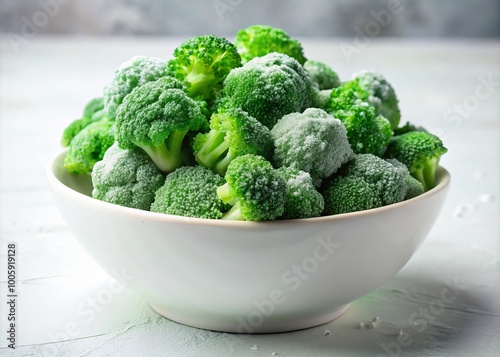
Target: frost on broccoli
(269,87)
(233,133)
(302,198)
(322,75)
(156,117)
(414,187)
(126,177)
(313,142)
(254,189)
(190,191)
(89,146)
(131,74)
(260,40)
(420,152)
(92,112)
(202,63)
(373,88)
(349,194)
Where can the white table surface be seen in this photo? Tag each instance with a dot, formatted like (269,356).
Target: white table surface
(67,306)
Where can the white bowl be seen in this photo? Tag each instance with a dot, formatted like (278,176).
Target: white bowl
(246,277)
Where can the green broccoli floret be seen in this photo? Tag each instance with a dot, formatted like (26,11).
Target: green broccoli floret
(89,146)
(322,75)
(202,63)
(373,88)
(126,177)
(320,98)
(260,40)
(190,191)
(92,112)
(233,133)
(420,152)
(407,128)
(156,117)
(367,132)
(131,74)
(313,142)
(384,179)
(414,187)
(349,194)
(269,87)
(254,189)
(342,99)
(302,199)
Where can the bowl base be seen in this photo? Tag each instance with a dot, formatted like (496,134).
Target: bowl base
(268,326)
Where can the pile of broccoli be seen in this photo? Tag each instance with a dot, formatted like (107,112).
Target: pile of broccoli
(249,131)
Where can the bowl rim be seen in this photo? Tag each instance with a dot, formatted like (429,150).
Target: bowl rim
(443,181)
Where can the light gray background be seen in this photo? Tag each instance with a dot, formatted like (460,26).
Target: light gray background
(420,18)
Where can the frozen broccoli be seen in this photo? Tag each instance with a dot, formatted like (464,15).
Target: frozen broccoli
(126,177)
(190,191)
(322,75)
(313,142)
(233,133)
(131,74)
(302,199)
(320,98)
(89,146)
(414,187)
(156,117)
(260,40)
(92,112)
(349,194)
(407,128)
(202,63)
(254,189)
(373,88)
(269,87)
(420,152)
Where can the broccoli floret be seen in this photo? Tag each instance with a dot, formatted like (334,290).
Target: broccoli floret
(373,88)
(202,63)
(89,146)
(156,117)
(420,152)
(414,187)
(269,87)
(131,74)
(367,132)
(190,191)
(126,177)
(92,112)
(302,199)
(349,194)
(322,75)
(260,40)
(254,189)
(386,180)
(313,142)
(320,98)
(407,128)
(233,133)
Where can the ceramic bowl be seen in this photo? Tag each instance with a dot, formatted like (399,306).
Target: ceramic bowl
(246,277)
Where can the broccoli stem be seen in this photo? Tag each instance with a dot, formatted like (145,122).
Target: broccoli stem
(225,194)
(167,156)
(234,214)
(213,148)
(427,174)
(221,166)
(199,81)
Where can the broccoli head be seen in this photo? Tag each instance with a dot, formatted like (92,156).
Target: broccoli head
(190,191)
(156,117)
(126,177)
(420,152)
(92,112)
(349,194)
(254,189)
(322,75)
(269,87)
(373,88)
(260,40)
(302,199)
(414,187)
(407,128)
(93,106)
(233,133)
(202,63)
(314,142)
(89,146)
(131,74)
(320,98)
